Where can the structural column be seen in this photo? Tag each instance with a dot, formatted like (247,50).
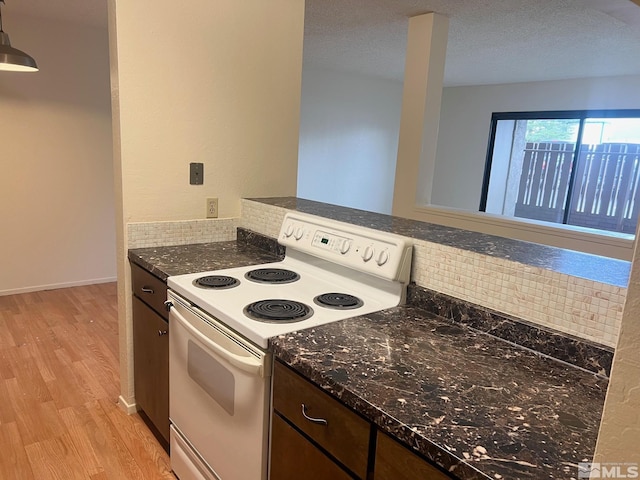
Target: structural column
(421,100)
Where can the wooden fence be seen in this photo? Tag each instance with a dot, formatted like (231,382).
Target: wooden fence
(605,187)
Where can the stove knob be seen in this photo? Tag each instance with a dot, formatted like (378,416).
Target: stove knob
(382,257)
(368,253)
(288,231)
(299,233)
(344,248)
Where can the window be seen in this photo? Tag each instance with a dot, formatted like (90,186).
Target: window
(577,168)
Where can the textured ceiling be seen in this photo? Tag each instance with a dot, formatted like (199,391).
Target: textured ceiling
(490,41)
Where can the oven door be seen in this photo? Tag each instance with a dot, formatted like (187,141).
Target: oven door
(219,398)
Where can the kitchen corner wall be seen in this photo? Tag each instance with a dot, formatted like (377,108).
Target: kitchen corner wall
(619,434)
(58,221)
(210,81)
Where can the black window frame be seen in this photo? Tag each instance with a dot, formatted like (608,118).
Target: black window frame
(580,115)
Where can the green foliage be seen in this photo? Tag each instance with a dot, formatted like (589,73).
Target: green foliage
(552,130)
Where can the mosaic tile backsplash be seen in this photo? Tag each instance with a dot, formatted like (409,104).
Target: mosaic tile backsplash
(155,234)
(549,297)
(571,304)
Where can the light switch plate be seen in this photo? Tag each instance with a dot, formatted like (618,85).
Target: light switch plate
(196,173)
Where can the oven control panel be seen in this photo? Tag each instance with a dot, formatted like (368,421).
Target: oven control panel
(331,242)
(371,251)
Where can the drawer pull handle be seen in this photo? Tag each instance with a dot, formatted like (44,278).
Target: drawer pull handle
(162,332)
(319,421)
(147,290)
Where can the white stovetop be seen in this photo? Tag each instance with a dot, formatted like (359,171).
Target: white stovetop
(226,305)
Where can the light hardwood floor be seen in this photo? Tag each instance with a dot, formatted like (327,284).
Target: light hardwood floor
(59,386)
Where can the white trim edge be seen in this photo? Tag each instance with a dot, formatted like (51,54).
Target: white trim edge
(55,286)
(128,408)
(565,236)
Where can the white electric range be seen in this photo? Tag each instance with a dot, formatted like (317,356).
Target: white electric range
(220,323)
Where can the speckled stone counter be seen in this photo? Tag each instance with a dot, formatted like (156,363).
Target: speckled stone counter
(248,249)
(593,267)
(478,406)
(578,352)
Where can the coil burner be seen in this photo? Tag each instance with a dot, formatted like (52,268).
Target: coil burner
(216,282)
(339,301)
(278,311)
(272,275)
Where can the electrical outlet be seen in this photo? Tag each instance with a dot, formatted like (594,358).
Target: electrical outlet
(212,208)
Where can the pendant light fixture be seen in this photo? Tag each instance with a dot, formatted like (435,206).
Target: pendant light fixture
(12,59)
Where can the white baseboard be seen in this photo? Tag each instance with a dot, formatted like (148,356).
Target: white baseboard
(128,408)
(55,286)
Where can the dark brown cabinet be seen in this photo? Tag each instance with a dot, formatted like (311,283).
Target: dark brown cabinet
(395,462)
(294,457)
(314,436)
(329,426)
(151,350)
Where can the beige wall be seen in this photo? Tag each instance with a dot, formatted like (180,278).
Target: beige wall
(56,183)
(619,438)
(349,123)
(216,82)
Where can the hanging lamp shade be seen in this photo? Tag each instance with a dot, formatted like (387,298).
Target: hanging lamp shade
(12,59)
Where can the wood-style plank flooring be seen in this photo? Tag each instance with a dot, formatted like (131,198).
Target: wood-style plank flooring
(59,386)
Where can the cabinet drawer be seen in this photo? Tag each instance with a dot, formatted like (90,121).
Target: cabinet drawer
(396,462)
(150,289)
(293,457)
(345,435)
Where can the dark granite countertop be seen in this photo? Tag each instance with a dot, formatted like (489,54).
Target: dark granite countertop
(179,259)
(476,405)
(583,265)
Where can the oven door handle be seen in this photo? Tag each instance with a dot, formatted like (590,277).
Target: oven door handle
(250,365)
